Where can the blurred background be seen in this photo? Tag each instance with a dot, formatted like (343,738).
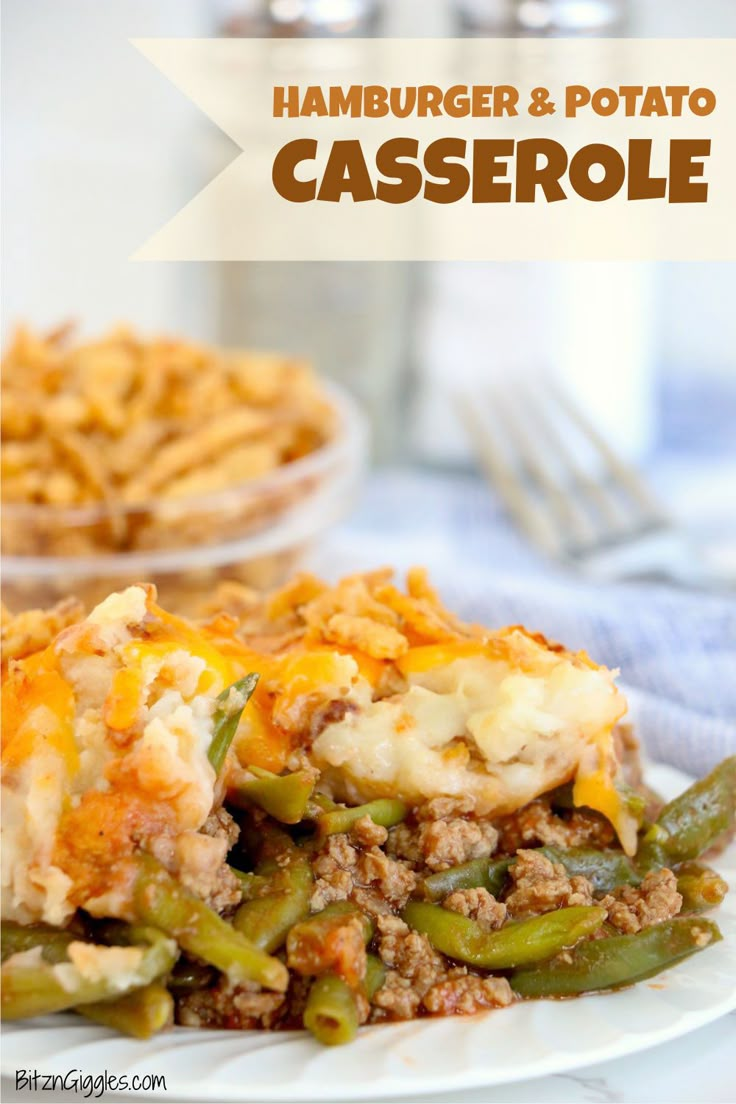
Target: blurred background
(100,150)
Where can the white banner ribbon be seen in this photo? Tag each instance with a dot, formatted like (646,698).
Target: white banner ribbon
(578,182)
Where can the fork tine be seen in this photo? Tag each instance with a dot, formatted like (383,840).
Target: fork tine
(573,520)
(483,430)
(621,473)
(595,499)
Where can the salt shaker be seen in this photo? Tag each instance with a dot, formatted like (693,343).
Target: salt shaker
(348,318)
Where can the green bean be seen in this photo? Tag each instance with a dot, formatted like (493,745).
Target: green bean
(331,1011)
(233,701)
(116,933)
(385,812)
(635,802)
(604,869)
(514,945)
(53,942)
(189,975)
(561,796)
(140,1014)
(316,946)
(265,841)
(319,803)
(36,988)
(345,908)
(687,826)
(285,797)
(267,920)
(375,975)
(251,884)
(620,960)
(489,874)
(162,902)
(701,887)
(324,920)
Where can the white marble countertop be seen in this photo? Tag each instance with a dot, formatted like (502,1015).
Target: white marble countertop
(699,1067)
(696,1069)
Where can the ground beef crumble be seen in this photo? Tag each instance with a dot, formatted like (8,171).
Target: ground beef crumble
(403,843)
(447,843)
(396,999)
(330,713)
(632,908)
(372,879)
(442,808)
(541,886)
(478,905)
(227,893)
(366,832)
(463,996)
(296,1000)
(420,979)
(378,870)
(537,823)
(198,859)
(414,967)
(393,880)
(337,946)
(333,868)
(222,825)
(442,843)
(235,1007)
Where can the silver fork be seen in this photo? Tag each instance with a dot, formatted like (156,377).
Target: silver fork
(569,491)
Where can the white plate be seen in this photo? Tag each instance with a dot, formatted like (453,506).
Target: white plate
(424,1056)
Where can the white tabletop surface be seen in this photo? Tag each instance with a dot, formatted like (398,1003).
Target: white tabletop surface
(697,1069)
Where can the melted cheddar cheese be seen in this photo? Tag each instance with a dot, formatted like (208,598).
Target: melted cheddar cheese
(106,732)
(105,741)
(502,719)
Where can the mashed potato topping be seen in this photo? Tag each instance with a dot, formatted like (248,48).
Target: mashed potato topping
(105,740)
(499,729)
(389,694)
(106,730)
